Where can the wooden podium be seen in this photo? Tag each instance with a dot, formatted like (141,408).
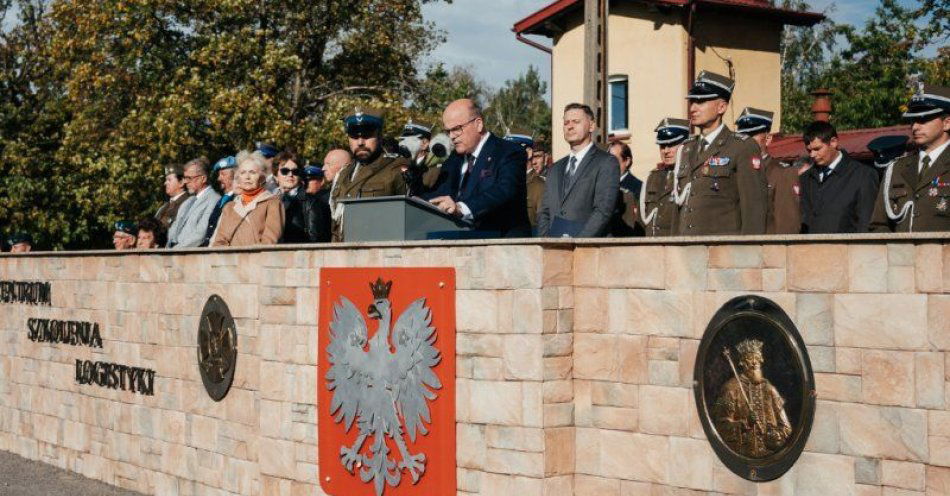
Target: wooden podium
(398,218)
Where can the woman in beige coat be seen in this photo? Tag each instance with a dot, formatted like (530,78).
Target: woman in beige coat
(256,216)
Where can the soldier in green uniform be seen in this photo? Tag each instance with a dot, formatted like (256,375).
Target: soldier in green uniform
(915,195)
(371,174)
(534,176)
(424,158)
(784,205)
(720,181)
(658,210)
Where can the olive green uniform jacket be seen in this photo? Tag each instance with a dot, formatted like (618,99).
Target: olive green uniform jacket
(785,192)
(535,187)
(658,195)
(929,190)
(381,177)
(729,192)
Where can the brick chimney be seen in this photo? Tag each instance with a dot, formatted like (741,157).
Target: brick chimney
(821,107)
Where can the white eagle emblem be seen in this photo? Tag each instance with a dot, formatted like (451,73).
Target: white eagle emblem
(380,388)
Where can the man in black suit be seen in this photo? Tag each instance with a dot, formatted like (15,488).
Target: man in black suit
(838,194)
(485,176)
(582,188)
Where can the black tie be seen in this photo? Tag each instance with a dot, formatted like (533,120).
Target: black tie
(470,162)
(924,164)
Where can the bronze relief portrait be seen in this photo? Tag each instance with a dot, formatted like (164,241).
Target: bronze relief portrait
(217,348)
(754,388)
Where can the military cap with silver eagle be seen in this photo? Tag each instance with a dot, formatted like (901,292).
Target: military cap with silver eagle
(754,121)
(415,129)
(930,100)
(710,85)
(363,121)
(671,131)
(520,137)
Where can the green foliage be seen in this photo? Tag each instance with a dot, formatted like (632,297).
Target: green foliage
(520,106)
(869,70)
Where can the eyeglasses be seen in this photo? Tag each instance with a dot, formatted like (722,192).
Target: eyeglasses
(287,171)
(189,178)
(458,129)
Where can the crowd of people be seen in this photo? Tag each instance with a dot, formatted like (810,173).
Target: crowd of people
(717,182)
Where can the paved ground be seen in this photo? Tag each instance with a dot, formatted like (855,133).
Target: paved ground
(22,477)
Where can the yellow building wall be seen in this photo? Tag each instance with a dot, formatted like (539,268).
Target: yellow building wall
(753,48)
(649,47)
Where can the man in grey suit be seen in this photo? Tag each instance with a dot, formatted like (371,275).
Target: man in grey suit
(191,225)
(581,189)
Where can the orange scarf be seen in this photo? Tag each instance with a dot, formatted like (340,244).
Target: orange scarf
(248,196)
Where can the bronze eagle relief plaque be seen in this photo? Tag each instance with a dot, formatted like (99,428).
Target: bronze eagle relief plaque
(217,348)
(754,387)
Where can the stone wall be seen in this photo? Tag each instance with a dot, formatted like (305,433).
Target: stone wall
(574,366)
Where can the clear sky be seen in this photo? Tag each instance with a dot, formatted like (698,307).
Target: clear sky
(479,33)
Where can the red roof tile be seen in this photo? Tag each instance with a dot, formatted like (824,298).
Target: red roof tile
(854,141)
(537,23)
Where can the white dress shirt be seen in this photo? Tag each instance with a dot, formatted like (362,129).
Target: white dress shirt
(933,154)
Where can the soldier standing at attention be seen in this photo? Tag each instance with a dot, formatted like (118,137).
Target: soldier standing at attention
(915,195)
(534,178)
(371,174)
(657,208)
(784,207)
(720,183)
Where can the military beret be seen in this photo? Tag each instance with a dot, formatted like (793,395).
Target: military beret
(888,148)
(312,172)
(413,129)
(929,100)
(522,138)
(710,85)
(753,121)
(671,131)
(225,163)
(19,237)
(266,149)
(126,226)
(363,121)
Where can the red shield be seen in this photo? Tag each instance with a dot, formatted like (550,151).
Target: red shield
(371,389)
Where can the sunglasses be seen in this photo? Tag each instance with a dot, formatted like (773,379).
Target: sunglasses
(286,171)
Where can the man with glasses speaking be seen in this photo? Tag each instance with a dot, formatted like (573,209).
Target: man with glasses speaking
(485,176)
(191,225)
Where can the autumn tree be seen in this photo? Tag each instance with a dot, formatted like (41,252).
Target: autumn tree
(520,105)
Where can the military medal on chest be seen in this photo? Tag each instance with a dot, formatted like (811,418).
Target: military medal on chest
(942,204)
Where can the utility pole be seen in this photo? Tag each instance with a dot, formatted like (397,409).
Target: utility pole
(595,63)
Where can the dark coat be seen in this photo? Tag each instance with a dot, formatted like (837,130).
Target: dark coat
(495,191)
(930,192)
(588,200)
(729,193)
(295,223)
(316,213)
(626,220)
(658,192)
(843,203)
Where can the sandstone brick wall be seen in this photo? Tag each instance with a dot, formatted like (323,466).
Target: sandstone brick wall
(574,366)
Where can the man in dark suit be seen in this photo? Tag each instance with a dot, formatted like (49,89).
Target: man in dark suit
(838,194)
(485,176)
(582,188)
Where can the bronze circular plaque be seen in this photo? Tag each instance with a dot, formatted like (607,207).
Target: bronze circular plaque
(754,387)
(217,348)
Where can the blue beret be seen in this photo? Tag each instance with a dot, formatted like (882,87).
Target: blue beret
(225,163)
(522,139)
(312,171)
(929,101)
(710,85)
(754,121)
(19,237)
(888,148)
(267,150)
(671,131)
(126,226)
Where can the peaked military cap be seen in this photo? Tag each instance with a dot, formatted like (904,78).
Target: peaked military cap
(312,172)
(930,100)
(225,163)
(671,131)
(888,148)
(520,137)
(266,149)
(19,237)
(126,226)
(710,85)
(413,129)
(754,121)
(363,121)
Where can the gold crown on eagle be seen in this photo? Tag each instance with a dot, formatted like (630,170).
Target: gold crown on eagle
(380,289)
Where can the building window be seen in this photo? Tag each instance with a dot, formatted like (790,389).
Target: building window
(618,103)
